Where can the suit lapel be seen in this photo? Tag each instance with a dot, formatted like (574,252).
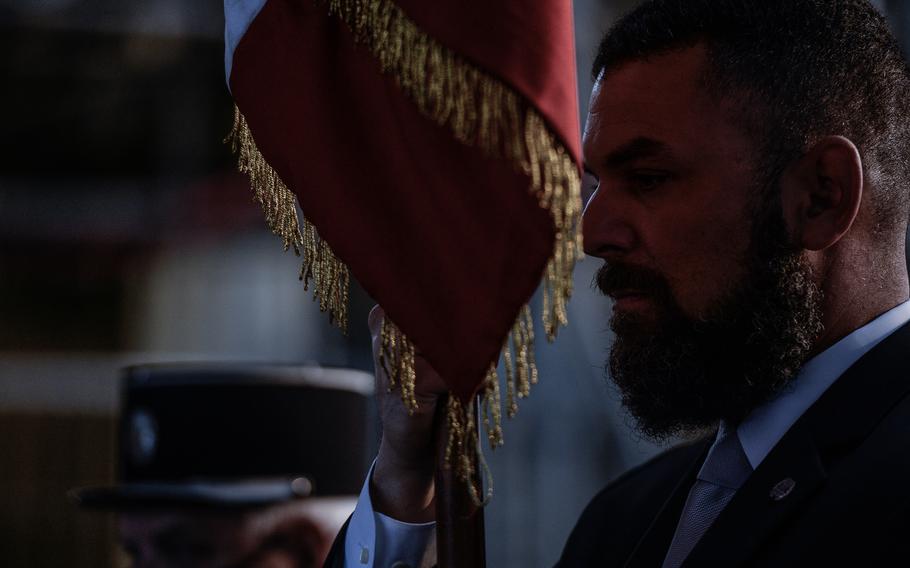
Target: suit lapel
(789,476)
(796,468)
(335,558)
(652,547)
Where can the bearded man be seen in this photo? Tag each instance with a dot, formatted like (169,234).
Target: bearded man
(752,160)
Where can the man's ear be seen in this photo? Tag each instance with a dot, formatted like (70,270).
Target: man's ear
(821,193)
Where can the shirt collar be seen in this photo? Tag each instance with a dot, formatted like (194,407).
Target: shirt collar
(760,431)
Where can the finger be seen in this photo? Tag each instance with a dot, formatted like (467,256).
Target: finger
(374,320)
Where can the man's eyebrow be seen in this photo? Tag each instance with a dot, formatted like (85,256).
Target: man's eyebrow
(636,149)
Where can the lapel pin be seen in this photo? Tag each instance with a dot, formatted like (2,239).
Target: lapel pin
(782,488)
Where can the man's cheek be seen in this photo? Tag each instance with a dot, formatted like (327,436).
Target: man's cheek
(701,287)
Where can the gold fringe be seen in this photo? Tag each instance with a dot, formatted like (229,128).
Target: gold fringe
(277,201)
(463,451)
(518,360)
(396,356)
(484,112)
(330,276)
(480,111)
(492,409)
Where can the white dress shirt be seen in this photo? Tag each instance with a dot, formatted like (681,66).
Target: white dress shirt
(760,431)
(374,539)
(377,540)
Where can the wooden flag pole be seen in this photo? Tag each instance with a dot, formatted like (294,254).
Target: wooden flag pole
(459,522)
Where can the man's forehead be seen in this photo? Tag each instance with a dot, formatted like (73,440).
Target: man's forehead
(657,101)
(648,89)
(680,69)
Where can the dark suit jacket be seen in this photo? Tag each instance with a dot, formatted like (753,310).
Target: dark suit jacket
(848,458)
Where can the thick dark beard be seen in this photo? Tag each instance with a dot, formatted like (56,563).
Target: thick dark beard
(685,375)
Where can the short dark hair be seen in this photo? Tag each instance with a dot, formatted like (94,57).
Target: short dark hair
(801,69)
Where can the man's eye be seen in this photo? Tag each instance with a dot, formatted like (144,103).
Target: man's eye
(648,181)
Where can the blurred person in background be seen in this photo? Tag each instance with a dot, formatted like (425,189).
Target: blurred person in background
(236,466)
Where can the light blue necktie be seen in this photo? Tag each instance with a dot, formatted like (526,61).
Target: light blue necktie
(724,471)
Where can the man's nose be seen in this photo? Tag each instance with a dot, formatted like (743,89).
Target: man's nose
(606,225)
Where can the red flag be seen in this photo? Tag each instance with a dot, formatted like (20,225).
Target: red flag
(433,148)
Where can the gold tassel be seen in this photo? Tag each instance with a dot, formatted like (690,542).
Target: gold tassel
(518,360)
(277,201)
(484,112)
(492,409)
(396,356)
(330,276)
(480,111)
(463,453)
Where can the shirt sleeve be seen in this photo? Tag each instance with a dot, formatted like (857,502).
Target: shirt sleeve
(374,539)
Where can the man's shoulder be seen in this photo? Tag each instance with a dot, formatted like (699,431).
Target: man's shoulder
(619,515)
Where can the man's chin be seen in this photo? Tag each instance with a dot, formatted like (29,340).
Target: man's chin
(637,320)
(675,383)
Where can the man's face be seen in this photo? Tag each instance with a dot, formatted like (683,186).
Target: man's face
(675,179)
(183,538)
(198,539)
(706,290)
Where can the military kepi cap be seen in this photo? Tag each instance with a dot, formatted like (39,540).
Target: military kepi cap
(238,436)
